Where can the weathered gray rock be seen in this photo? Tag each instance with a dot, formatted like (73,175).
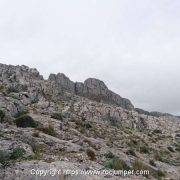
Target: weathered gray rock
(18,74)
(11,106)
(91,88)
(63,82)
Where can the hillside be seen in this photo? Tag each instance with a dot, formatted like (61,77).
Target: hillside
(61,124)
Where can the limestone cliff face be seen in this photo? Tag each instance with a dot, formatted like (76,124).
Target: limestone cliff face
(28,86)
(18,74)
(91,88)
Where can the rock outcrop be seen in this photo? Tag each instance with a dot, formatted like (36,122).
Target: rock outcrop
(91,88)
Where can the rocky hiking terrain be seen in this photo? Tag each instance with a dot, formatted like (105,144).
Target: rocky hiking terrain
(57,123)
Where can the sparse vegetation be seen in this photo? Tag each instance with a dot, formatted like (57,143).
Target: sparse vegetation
(48,130)
(21,113)
(160,174)
(131,152)
(37,149)
(144,149)
(6,156)
(91,154)
(25,121)
(57,116)
(11,89)
(116,164)
(2,88)
(17,153)
(157,156)
(138,165)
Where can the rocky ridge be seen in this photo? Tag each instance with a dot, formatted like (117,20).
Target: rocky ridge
(58,122)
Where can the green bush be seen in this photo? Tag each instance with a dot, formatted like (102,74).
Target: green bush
(2,115)
(116,164)
(17,153)
(57,116)
(160,174)
(25,121)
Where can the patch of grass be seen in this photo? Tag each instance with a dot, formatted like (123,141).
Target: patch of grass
(163,155)
(48,130)
(160,173)
(116,164)
(25,121)
(2,88)
(138,144)
(17,153)
(57,116)
(91,154)
(37,149)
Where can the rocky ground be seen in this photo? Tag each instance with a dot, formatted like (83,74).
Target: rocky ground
(59,124)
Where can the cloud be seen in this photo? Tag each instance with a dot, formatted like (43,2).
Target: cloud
(132,45)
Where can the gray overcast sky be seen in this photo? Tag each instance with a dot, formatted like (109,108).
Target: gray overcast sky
(132,45)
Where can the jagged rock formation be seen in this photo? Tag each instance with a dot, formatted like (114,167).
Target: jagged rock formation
(91,88)
(153,113)
(63,124)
